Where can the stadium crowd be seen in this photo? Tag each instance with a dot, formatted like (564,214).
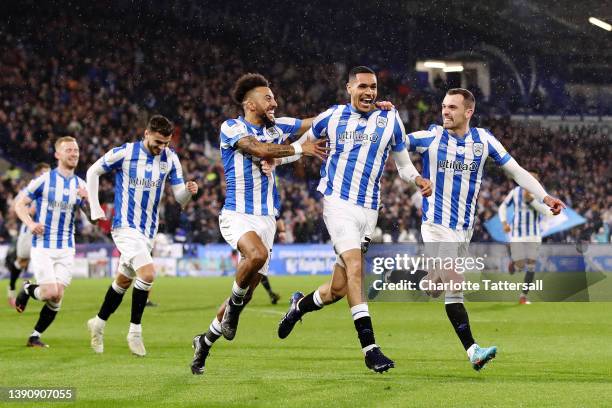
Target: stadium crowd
(100,87)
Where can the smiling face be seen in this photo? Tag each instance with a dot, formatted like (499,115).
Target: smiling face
(363,90)
(155,142)
(261,102)
(456,113)
(67,154)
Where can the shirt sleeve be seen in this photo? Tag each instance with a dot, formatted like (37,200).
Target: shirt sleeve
(176,172)
(231,132)
(113,159)
(289,126)
(398,141)
(319,124)
(497,151)
(35,187)
(419,141)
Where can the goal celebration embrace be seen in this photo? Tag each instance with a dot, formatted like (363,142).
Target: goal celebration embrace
(306,204)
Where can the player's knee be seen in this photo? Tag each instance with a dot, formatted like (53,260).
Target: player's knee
(57,299)
(54,304)
(49,292)
(258,256)
(353,266)
(337,293)
(123,281)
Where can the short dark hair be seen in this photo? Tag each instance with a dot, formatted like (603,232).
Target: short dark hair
(245,84)
(41,166)
(468,98)
(361,69)
(161,125)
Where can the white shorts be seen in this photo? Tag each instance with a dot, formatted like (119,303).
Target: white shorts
(24,244)
(441,245)
(524,250)
(234,225)
(349,225)
(135,250)
(52,265)
(448,242)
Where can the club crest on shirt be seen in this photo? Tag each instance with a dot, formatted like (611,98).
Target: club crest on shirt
(381,122)
(163,167)
(478,148)
(273,132)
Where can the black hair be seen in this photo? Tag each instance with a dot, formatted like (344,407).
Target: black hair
(245,84)
(161,125)
(361,69)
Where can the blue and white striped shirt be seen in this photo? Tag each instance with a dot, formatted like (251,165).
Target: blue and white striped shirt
(249,190)
(56,204)
(139,184)
(526,218)
(455,167)
(359,146)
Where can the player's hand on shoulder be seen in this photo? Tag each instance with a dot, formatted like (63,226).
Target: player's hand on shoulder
(385,105)
(315,148)
(192,187)
(425,186)
(506,227)
(554,204)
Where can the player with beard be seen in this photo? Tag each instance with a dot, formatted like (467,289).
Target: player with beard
(247,220)
(454,157)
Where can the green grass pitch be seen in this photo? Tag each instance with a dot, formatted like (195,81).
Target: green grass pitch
(550,354)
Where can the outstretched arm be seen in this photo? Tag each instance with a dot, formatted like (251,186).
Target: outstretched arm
(529,183)
(270,151)
(409,173)
(540,207)
(256,148)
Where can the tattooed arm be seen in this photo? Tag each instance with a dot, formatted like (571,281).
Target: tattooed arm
(256,148)
(269,151)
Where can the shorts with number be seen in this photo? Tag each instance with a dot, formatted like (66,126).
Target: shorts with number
(349,225)
(234,225)
(135,250)
(52,265)
(24,244)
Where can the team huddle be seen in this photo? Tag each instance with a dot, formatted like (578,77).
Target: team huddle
(353,140)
